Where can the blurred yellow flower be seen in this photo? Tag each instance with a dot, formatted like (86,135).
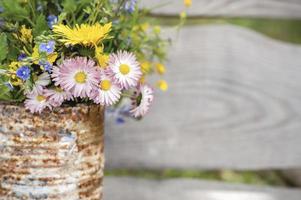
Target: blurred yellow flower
(157,29)
(187,3)
(146,67)
(162,85)
(160,68)
(87,35)
(144,26)
(183,15)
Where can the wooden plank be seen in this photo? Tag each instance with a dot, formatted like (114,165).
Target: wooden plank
(230,8)
(234,102)
(179,189)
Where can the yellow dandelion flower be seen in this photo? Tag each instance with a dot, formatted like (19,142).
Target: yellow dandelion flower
(187,3)
(162,85)
(160,68)
(87,35)
(146,67)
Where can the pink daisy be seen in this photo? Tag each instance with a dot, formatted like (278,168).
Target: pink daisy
(57,96)
(79,76)
(125,69)
(36,102)
(141,102)
(108,92)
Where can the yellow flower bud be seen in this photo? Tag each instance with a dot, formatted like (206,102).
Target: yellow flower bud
(103,60)
(160,68)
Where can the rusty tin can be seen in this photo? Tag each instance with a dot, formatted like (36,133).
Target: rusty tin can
(56,155)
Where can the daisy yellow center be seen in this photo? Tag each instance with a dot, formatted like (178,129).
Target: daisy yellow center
(124,69)
(41,98)
(105,85)
(57,89)
(80,77)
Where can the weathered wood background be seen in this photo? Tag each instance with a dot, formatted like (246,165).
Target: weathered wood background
(229,8)
(187,189)
(234,102)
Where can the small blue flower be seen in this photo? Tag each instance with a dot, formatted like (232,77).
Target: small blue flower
(23,73)
(120,120)
(46,66)
(22,56)
(1,9)
(130,6)
(47,47)
(52,20)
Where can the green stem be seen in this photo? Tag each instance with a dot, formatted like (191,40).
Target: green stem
(32,9)
(29,21)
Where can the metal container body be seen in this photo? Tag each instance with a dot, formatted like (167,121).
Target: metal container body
(55,155)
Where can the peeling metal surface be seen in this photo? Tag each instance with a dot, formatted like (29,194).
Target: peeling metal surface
(53,156)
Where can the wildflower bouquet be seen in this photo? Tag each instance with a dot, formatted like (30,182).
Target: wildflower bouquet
(78,51)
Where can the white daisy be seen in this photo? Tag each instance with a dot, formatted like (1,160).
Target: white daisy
(125,69)
(108,92)
(142,100)
(40,83)
(36,102)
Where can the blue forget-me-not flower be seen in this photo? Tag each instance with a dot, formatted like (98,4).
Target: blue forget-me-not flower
(23,73)
(47,47)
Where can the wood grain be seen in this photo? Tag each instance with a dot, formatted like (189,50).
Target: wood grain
(234,102)
(232,8)
(179,189)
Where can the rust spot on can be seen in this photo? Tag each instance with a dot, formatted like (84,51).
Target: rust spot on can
(55,156)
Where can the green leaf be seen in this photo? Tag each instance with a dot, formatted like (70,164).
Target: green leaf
(4,90)
(13,10)
(40,25)
(69,6)
(3,47)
